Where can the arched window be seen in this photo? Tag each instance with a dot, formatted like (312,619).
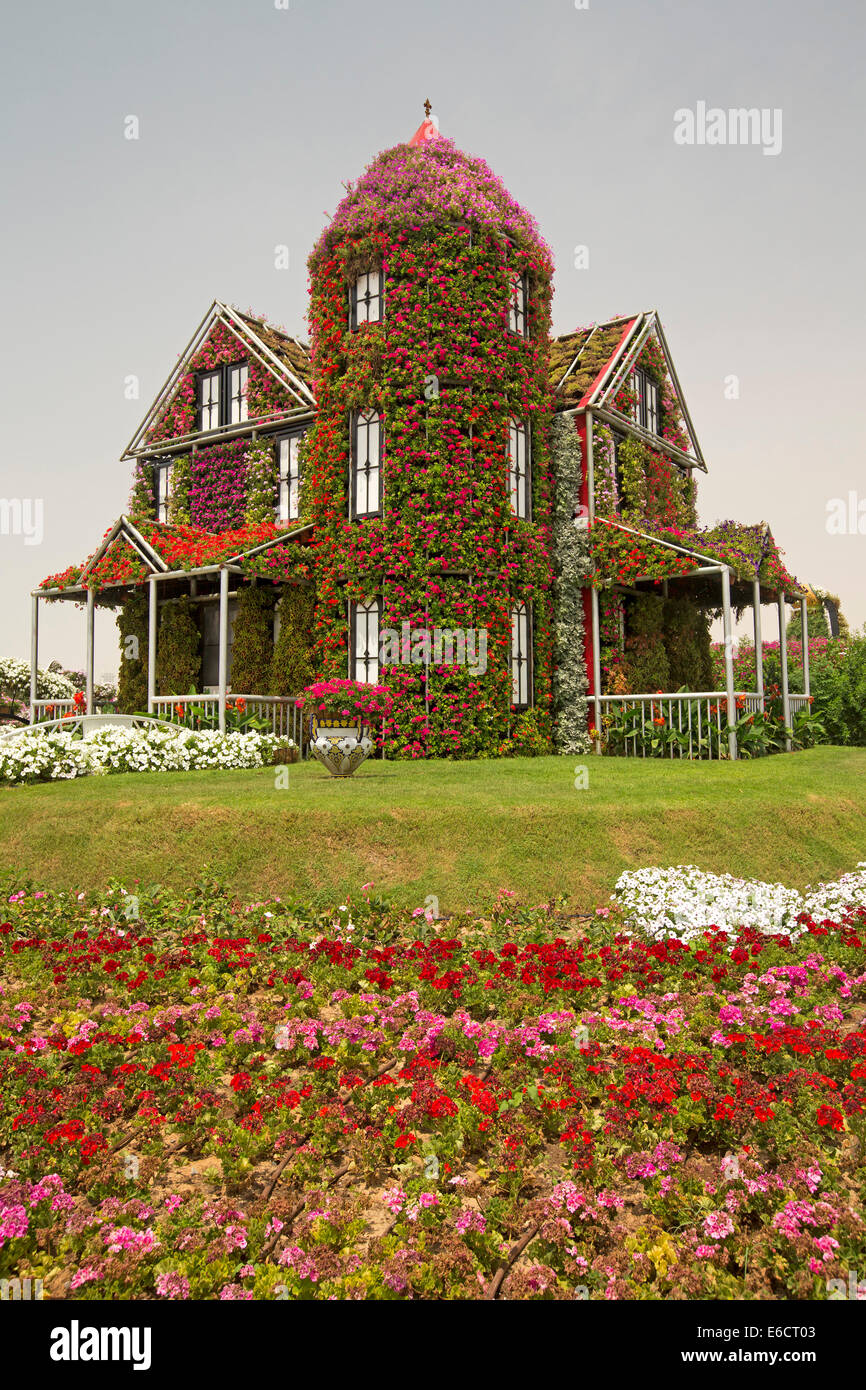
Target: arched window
(518,468)
(364,641)
(521,656)
(367,297)
(366,495)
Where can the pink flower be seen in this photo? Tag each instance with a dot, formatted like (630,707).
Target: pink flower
(718,1225)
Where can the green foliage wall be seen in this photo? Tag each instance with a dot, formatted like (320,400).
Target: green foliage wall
(178,500)
(646,660)
(132,623)
(261,485)
(687,642)
(178,658)
(253,648)
(142,500)
(292,667)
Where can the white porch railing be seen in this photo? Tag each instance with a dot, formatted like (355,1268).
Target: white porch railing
(279,711)
(40,710)
(684,724)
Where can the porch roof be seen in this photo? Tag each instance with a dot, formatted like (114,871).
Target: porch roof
(625,555)
(130,552)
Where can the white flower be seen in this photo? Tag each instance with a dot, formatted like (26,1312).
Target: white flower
(684,901)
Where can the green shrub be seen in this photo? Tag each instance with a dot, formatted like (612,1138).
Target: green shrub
(178,659)
(132,626)
(253,649)
(292,668)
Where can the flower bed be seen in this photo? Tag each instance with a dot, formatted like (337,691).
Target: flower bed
(682,901)
(48,757)
(205,1100)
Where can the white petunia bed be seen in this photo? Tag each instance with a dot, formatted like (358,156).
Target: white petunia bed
(57,755)
(685,901)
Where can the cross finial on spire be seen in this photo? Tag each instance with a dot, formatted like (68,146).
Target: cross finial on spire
(427,108)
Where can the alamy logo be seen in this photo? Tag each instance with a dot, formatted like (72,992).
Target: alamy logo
(854,1290)
(423,646)
(75,1343)
(17,1289)
(846,516)
(22,516)
(738,126)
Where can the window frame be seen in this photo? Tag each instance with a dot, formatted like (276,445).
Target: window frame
(646,391)
(288,437)
(518,309)
(355,472)
(369,607)
(520,662)
(162,492)
(520,427)
(378,298)
(223,374)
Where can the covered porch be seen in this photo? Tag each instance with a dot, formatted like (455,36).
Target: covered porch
(694,723)
(164,560)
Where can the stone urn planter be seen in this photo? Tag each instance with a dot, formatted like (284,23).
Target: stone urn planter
(341,748)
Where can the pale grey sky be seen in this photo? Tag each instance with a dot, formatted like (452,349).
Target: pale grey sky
(251,117)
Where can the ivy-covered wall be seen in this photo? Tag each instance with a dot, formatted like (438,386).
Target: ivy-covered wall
(292,664)
(132,627)
(178,648)
(253,646)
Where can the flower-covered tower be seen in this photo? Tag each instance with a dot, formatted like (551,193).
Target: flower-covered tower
(427,472)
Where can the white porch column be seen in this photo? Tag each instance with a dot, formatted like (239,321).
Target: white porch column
(596,666)
(224,646)
(590,465)
(783,659)
(804,628)
(729,661)
(88,666)
(151,646)
(34,653)
(759,642)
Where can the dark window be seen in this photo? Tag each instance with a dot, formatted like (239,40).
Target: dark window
(366,496)
(521,656)
(646,405)
(367,298)
(519,468)
(364,619)
(517,304)
(222,396)
(289,473)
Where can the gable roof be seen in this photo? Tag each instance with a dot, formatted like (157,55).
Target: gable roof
(588,366)
(287,359)
(129,553)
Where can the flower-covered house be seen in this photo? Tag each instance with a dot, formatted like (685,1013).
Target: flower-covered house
(437,495)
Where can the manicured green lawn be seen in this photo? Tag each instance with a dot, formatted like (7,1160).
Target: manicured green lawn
(459,831)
